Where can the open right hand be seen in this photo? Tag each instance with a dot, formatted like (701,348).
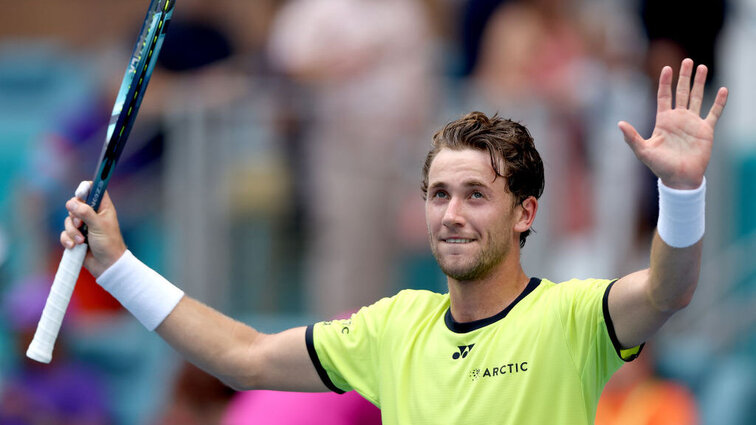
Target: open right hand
(104,235)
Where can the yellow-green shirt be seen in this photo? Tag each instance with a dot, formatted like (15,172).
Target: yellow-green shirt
(543,360)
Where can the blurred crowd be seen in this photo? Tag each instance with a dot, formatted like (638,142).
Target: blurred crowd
(274,169)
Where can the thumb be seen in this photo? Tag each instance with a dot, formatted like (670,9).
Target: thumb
(83,190)
(632,138)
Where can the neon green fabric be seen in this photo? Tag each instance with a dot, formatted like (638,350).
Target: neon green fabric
(543,360)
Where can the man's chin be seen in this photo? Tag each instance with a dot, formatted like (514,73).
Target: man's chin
(472,265)
(461,272)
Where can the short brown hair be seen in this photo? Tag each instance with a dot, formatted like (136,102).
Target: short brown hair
(503,139)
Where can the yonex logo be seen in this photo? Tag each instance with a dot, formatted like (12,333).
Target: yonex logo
(464,350)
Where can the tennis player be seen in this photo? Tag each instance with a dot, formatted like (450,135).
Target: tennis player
(500,347)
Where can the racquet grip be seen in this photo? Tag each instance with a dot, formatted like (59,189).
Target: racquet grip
(41,347)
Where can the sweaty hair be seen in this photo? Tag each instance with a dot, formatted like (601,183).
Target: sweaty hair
(504,140)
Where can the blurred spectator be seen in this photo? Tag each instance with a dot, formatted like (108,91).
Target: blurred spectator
(532,49)
(475,17)
(635,395)
(367,63)
(63,392)
(681,29)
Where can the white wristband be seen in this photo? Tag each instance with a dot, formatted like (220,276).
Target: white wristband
(681,215)
(141,290)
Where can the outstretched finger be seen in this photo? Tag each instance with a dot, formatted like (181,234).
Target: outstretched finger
(696,95)
(664,95)
(716,109)
(683,84)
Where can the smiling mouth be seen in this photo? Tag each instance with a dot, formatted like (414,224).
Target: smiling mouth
(457,240)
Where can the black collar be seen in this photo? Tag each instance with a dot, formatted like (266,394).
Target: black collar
(464,327)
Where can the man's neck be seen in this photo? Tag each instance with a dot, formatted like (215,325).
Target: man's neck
(483,298)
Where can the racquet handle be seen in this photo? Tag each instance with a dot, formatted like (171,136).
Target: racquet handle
(41,347)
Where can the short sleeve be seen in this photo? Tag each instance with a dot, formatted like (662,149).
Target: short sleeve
(588,330)
(345,352)
(626,354)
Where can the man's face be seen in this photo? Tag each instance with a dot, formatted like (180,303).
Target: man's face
(469,214)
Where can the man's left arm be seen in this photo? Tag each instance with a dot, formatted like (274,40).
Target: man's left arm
(678,153)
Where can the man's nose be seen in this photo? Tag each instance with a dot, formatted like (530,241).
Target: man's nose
(453,216)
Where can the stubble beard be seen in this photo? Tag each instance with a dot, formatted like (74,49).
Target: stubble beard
(478,267)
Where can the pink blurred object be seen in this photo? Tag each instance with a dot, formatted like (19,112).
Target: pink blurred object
(291,408)
(287,408)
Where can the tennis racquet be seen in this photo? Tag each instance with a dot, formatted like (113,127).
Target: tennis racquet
(133,86)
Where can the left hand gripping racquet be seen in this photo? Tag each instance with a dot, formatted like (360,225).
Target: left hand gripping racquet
(127,104)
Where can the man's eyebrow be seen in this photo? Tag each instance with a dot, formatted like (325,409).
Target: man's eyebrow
(466,183)
(474,183)
(437,185)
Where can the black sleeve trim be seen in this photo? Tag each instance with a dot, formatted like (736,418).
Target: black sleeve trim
(610,328)
(316,362)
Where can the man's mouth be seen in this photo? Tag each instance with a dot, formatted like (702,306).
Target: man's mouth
(457,240)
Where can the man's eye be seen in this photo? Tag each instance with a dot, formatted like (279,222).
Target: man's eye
(440,194)
(476,195)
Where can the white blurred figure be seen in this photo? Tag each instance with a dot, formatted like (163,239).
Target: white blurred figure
(367,63)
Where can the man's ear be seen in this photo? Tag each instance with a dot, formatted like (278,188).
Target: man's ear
(526,214)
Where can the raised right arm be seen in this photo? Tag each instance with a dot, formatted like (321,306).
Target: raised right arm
(235,353)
